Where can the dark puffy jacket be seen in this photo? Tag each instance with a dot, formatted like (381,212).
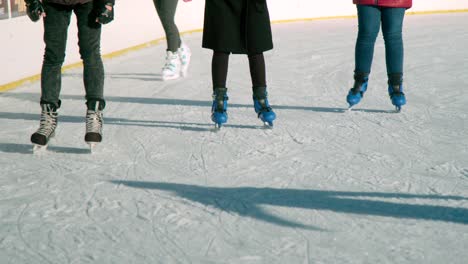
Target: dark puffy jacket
(74,2)
(385,3)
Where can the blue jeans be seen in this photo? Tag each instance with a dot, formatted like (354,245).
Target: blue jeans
(370,18)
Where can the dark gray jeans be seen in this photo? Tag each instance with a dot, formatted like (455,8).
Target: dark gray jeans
(56,25)
(166,10)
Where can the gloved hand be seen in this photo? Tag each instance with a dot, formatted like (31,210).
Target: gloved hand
(106,13)
(34,9)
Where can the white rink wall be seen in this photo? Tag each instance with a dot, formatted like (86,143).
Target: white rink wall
(22,47)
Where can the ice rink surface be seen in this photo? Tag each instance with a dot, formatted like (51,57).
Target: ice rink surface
(323,186)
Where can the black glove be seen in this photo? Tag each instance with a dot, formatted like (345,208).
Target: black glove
(34,9)
(106,13)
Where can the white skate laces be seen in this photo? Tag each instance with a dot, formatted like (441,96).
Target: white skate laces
(94,121)
(48,121)
(47,126)
(172,67)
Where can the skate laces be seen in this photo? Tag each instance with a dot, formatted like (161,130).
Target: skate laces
(171,61)
(395,90)
(220,101)
(261,101)
(48,122)
(219,104)
(93,121)
(359,87)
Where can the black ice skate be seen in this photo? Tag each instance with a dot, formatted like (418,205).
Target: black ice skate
(47,126)
(94,122)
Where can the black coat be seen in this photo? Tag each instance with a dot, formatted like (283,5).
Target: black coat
(74,2)
(67,2)
(237,26)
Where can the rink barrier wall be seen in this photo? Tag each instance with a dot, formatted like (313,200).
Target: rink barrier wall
(110,55)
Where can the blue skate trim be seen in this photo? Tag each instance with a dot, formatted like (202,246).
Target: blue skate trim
(355,98)
(398,99)
(265,114)
(219,116)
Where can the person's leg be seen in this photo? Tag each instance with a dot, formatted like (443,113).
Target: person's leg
(219,69)
(55,37)
(259,88)
(166,11)
(89,42)
(392,26)
(369,26)
(257,70)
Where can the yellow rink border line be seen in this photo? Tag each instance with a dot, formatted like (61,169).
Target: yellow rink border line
(37,77)
(355,16)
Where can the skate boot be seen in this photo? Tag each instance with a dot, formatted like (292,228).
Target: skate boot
(356,93)
(395,90)
(47,126)
(184,56)
(94,122)
(262,106)
(172,67)
(219,108)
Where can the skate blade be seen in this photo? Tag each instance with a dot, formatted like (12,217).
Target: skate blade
(268,125)
(397,109)
(38,149)
(217,127)
(92,146)
(184,71)
(169,78)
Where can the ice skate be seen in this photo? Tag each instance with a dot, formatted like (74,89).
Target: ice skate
(94,122)
(262,106)
(219,108)
(47,126)
(184,53)
(172,67)
(395,90)
(356,93)
(397,96)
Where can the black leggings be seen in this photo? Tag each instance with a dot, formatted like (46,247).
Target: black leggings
(219,69)
(166,11)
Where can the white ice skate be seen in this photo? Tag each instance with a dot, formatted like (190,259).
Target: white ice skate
(172,67)
(184,55)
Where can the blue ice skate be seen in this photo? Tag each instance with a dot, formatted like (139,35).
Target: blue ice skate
(397,96)
(356,94)
(219,108)
(262,106)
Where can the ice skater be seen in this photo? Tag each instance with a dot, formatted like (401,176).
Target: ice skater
(177,53)
(238,27)
(90,14)
(371,16)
